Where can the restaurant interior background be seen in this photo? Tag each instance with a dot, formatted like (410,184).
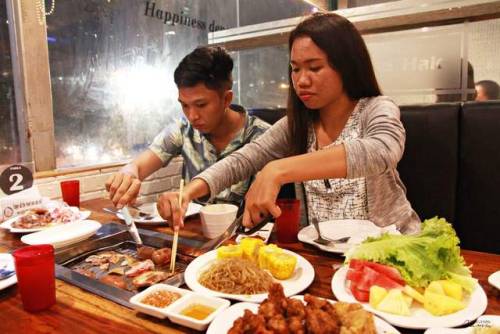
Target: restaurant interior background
(86,84)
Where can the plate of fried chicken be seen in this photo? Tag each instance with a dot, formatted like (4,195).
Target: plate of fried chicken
(297,314)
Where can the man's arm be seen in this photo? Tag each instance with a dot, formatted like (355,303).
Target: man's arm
(124,186)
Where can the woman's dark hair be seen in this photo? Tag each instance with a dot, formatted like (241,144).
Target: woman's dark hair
(347,54)
(209,65)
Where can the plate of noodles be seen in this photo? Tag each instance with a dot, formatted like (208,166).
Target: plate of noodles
(239,279)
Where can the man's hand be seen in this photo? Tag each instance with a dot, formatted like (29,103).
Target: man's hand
(124,186)
(169,209)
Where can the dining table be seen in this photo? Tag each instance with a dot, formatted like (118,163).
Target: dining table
(79,311)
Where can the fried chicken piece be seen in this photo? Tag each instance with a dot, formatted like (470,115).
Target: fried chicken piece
(314,302)
(330,310)
(343,309)
(238,327)
(275,304)
(278,324)
(276,293)
(249,323)
(295,308)
(319,322)
(296,324)
(269,309)
(358,322)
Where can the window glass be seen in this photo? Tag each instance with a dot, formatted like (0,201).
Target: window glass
(483,46)
(112,64)
(10,151)
(263,77)
(424,65)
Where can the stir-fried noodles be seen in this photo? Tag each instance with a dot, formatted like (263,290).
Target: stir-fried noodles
(236,276)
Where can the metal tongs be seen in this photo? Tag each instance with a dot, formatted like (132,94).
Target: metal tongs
(239,221)
(129,221)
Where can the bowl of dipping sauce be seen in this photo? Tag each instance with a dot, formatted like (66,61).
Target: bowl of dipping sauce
(196,311)
(156,299)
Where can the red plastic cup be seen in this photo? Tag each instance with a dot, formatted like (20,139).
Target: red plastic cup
(71,192)
(35,269)
(287,225)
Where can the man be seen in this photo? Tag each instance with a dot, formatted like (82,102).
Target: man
(487,90)
(211,130)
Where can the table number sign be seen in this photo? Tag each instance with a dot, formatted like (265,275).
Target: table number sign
(17,193)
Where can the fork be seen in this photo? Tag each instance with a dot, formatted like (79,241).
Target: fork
(323,241)
(5,273)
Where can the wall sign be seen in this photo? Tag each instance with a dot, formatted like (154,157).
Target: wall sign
(181,18)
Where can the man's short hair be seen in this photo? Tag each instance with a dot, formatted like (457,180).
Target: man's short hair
(211,65)
(490,88)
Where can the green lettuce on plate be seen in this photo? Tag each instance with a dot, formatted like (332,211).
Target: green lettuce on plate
(431,255)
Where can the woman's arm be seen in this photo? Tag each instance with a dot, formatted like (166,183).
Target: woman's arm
(379,149)
(248,160)
(383,141)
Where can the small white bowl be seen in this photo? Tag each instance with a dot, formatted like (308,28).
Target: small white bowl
(174,312)
(157,312)
(216,218)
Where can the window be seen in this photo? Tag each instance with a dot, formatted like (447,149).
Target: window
(112,64)
(10,149)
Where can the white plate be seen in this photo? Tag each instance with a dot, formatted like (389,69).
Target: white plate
(63,235)
(8,223)
(357,229)
(7,259)
(419,318)
(150,208)
(224,321)
(484,321)
(300,280)
(494,279)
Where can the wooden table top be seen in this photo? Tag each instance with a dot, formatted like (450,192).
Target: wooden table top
(79,311)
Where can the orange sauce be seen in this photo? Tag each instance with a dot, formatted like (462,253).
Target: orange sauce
(197,311)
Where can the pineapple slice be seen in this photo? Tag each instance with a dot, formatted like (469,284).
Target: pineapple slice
(438,304)
(467,282)
(452,289)
(408,300)
(394,303)
(376,295)
(414,294)
(435,287)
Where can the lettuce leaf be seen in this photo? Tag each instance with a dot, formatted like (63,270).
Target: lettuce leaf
(431,255)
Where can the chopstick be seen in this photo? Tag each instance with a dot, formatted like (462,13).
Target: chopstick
(176,232)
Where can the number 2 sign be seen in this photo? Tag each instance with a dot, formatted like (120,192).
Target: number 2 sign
(15,178)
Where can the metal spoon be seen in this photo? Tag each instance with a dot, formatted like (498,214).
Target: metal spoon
(324,241)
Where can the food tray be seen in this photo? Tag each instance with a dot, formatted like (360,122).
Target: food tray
(126,249)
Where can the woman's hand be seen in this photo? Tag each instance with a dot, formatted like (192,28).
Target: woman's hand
(260,200)
(169,209)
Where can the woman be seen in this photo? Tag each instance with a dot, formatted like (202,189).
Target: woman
(341,138)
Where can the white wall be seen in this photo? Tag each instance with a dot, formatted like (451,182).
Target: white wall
(92,183)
